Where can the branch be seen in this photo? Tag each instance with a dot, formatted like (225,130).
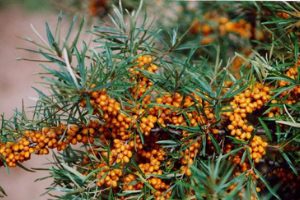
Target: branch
(179,132)
(277,164)
(258,132)
(168,129)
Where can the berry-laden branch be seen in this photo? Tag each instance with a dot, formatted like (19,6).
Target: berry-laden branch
(119,128)
(129,133)
(153,126)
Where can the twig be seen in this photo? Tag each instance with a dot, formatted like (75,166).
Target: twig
(258,132)
(168,129)
(262,160)
(277,164)
(179,132)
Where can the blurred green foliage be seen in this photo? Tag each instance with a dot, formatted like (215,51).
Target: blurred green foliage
(28,5)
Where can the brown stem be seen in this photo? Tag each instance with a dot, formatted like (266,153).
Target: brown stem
(179,132)
(171,130)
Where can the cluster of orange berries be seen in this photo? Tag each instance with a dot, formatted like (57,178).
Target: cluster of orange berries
(39,142)
(120,128)
(152,167)
(116,124)
(97,6)
(121,151)
(107,176)
(104,106)
(107,173)
(222,25)
(283,15)
(187,157)
(287,177)
(257,148)
(292,94)
(171,116)
(141,83)
(236,159)
(240,27)
(291,73)
(243,104)
(120,154)
(16,152)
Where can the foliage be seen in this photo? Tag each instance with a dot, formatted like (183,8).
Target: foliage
(168,114)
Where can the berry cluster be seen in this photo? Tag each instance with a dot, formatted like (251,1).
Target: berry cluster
(213,23)
(240,27)
(287,177)
(152,166)
(39,142)
(294,92)
(290,96)
(97,7)
(257,148)
(284,15)
(243,104)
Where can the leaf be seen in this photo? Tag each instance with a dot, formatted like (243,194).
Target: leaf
(262,178)
(294,39)
(248,193)
(215,143)
(78,33)
(25,168)
(268,132)
(232,91)
(58,27)
(146,182)
(136,167)
(50,37)
(2,192)
(293,124)
(287,159)
(232,152)
(166,142)
(243,157)
(70,69)
(73,171)
(71,27)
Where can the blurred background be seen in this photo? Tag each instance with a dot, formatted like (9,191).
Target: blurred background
(16,80)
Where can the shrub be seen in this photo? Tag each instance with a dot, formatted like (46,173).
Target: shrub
(157,117)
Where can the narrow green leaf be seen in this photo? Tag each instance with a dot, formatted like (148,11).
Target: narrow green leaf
(262,178)
(288,160)
(73,171)
(71,27)
(50,37)
(268,132)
